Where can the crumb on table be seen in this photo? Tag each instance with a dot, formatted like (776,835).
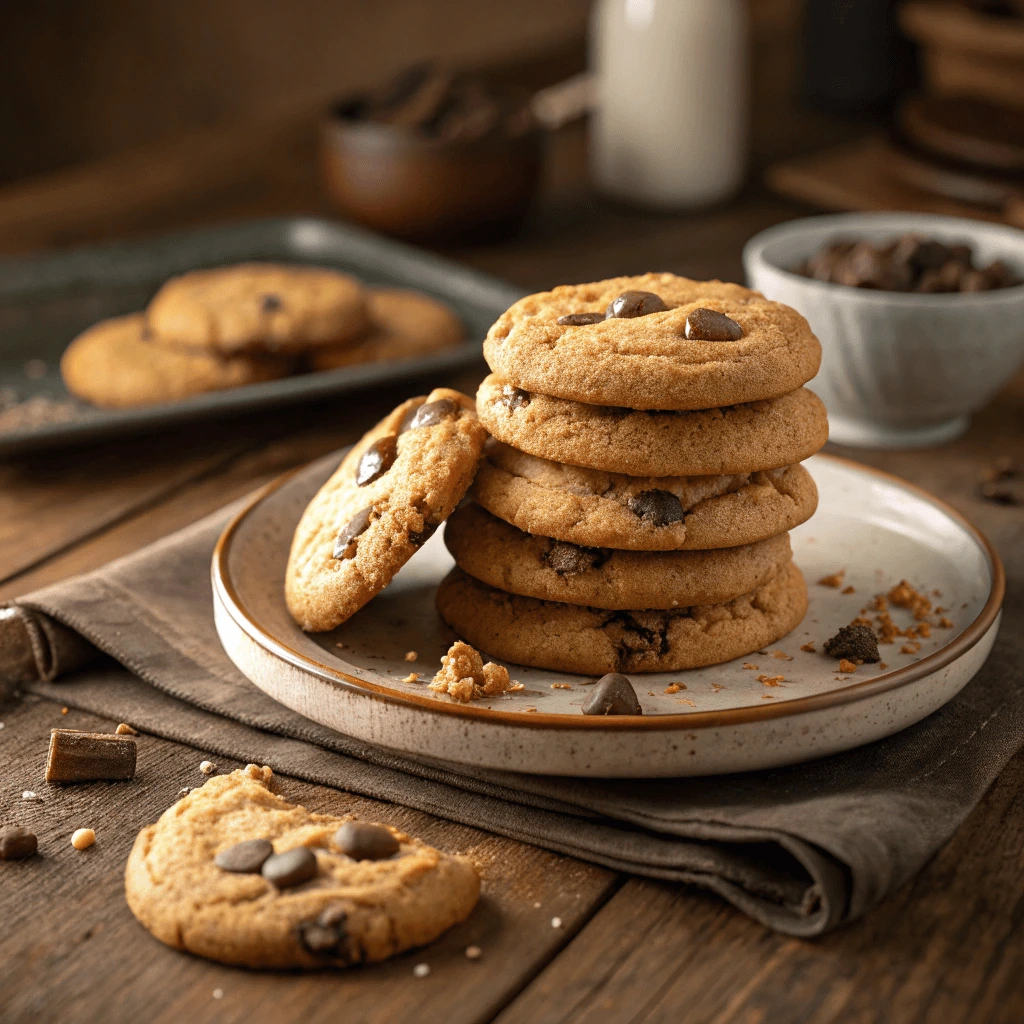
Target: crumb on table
(835,580)
(809,648)
(847,666)
(766,680)
(464,676)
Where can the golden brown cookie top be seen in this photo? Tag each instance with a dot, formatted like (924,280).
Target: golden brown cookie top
(713,344)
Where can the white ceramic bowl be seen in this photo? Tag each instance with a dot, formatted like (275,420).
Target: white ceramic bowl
(898,369)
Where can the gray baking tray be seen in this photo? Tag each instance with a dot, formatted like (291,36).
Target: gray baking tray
(46,300)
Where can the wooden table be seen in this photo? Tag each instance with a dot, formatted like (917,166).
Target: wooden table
(948,947)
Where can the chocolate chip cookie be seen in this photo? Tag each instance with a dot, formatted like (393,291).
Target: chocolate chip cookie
(502,556)
(653,342)
(392,490)
(403,324)
(258,307)
(597,509)
(236,874)
(737,439)
(116,365)
(591,641)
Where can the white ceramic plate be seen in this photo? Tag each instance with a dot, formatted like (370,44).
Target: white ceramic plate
(877,528)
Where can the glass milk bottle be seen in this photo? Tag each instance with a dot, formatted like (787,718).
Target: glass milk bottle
(670,125)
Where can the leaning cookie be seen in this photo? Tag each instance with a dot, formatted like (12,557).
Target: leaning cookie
(404,324)
(592,641)
(653,342)
(499,554)
(736,439)
(115,364)
(235,874)
(612,510)
(392,490)
(258,307)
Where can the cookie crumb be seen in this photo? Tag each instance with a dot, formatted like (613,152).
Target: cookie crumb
(771,680)
(421,970)
(556,922)
(882,665)
(686,700)
(849,590)
(63,711)
(910,648)
(530,709)
(750,667)
(464,676)
(124,729)
(674,688)
(903,595)
(473,952)
(835,580)
(411,655)
(207,767)
(339,645)
(412,677)
(767,696)
(560,686)
(847,666)
(83,838)
(716,687)
(782,656)
(218,993)
(809,648)
(945,623)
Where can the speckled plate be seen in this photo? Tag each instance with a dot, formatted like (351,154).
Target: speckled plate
(723,719)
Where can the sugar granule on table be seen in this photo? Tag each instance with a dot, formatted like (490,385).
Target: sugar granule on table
(421,970)
(207,767)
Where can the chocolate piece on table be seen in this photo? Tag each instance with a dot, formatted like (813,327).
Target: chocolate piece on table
(710,325)
(17,843)
(89,756)
(352,529)
(658,507)
(580,319)
(432,413)
(291,868)
(362,840)
(613,694)
(246,858)
(856,643)
(377,460)
(635,303)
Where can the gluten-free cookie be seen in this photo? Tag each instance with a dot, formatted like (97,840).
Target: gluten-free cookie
(403,324)
(115,364)
(502,556)
(391,491)
(735,439)
(592,641)
(611,510)
(258,307)
(236,874)
(653,342)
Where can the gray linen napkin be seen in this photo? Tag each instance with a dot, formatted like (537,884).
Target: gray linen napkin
(800,849)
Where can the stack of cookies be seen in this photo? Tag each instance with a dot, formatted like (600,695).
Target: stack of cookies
(632,509)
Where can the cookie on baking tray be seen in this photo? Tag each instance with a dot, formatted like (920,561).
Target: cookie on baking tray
(391,491)
(236,874)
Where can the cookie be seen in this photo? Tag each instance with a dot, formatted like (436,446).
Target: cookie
(592,641)
(193,887)
(391,491)
(610,510)
(736,439)
(499,554)
(403,324)
(115,365)
(258,307)
(685,356)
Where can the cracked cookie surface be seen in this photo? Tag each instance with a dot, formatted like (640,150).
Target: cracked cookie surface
(736,439)
(391,491)
(502,556)
(593,508)
(352,911)
(591,641)
(647,362)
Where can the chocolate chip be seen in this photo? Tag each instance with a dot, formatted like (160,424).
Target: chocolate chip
(410,415)
(613,694)
(17,843)
(352,529)
(514,398)
(420,537)
(271,303)
(290,868)
(568,559)
(433,412)
(326,935)
(581,319)
(362,841)
(245,858)
(630,304)
(657,507)
(710,325)
(377,460)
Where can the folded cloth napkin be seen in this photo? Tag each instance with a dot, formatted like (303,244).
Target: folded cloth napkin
(801,849)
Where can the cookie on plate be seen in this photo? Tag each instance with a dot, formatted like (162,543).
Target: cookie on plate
(653,342)
(611,510)
(258,307)
(114,364)
(592,641)
(234,873)
(736,439)
(499,554)
(392,490)
(403,324)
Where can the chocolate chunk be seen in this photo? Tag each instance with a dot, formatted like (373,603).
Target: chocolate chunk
(17,843)
(856,643)
(410,415)
(272,303)
(657,507)
(245,858)
(636,303)
(420,537)
(613,694)
(326,935)
(89,756)
(290,868)
(582,319)
(352,529)
(433,412)
(377,460)
(362,841)
(514,398)
(710,325)
(569,560)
